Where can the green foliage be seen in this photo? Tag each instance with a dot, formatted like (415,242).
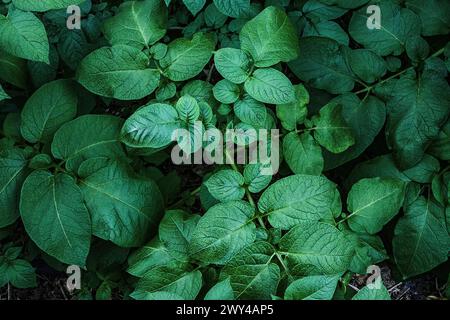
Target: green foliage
(89,116)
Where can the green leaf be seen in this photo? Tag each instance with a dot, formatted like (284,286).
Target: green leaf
(440,147)
(252,273)
(23,35)
(251,111)
(175,230)
(374,202)
(226,185)
(87,137)
(19,273)
(232,64)
(188,109)
(331,130)
(223,231)
(396,26)
(255,180)
(433,14)
(55,216)
(366,118)
(186,58)
(226,91)
(137,23)
(347,4)
(369,251)
(119,72)
(322,63)
(124,208)
(151,255)
(3,94)
(222,290)
(270,38)
(13,70)
(312,288)
(315,198)
(194,6)
(166,280)
(44,5)
(421,240)
(151,126)
(294,113)
(270,86)
(368,293)
(302,154)
(327,29)
(417,108)
(50,106)
(316,248)
(367,65)
(233,8)
(13,171)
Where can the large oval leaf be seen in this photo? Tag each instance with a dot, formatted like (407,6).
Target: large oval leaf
(222,232)
(55,216)
(51,106)
(119,72)
(300,198)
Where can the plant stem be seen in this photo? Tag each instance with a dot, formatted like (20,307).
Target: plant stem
(182,200)
(369,88)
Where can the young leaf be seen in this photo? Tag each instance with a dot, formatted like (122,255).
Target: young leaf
(151,126)
(18,272)
(270,86)
(226,91)
(255,180)
(232,64)
(188,109)
(251,111)
(294,113)
(226,185)
(302,154)
(331,129)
